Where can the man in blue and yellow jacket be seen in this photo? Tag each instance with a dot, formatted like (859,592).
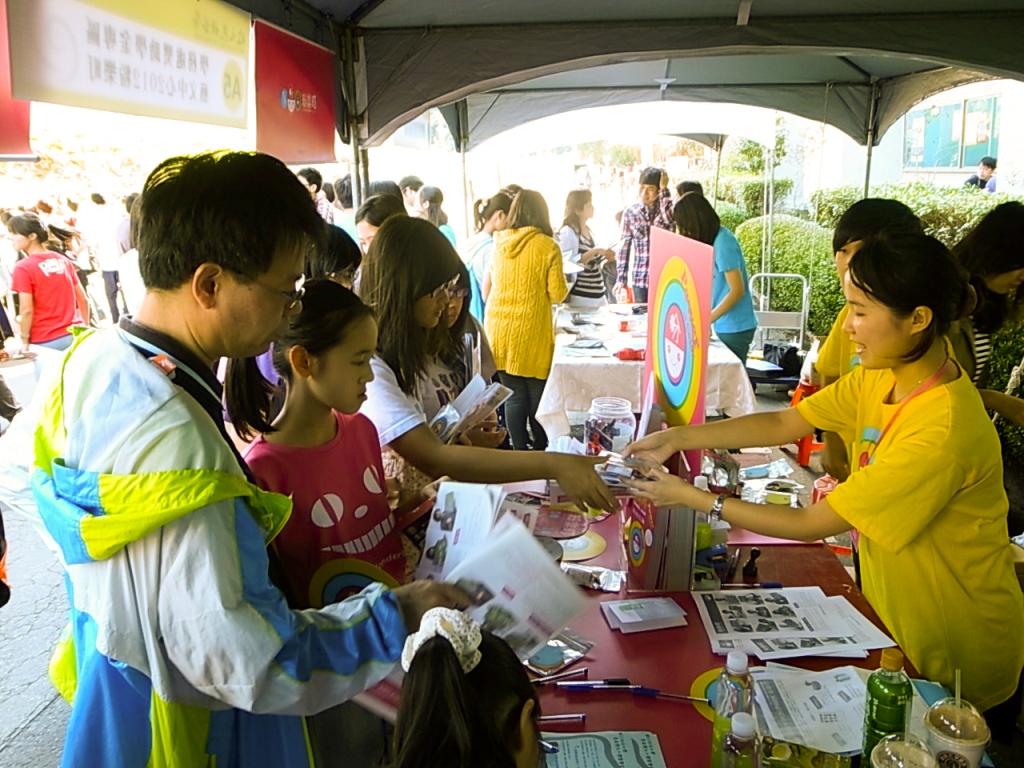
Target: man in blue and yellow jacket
(181,651)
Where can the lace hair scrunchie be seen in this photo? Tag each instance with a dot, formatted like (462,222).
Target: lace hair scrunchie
(462,632)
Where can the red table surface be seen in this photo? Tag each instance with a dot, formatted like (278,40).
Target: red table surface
(671,659)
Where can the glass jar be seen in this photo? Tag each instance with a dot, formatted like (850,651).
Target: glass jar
(610,425)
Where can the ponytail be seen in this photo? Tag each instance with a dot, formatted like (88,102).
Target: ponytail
(249,398)
(451,719)
(483,210)
(328,311)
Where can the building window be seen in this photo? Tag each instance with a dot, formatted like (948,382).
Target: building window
(953,135)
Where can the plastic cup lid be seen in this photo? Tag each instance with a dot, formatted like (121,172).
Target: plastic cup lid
(899,751)
(736,662)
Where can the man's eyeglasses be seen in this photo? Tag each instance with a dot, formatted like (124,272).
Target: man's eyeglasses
(292,298)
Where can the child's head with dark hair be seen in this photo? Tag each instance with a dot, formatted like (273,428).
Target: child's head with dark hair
(237,210)
(46,236)
(329,191)
(312,177)
(696,219)
(492,211)
(867,218)
(530,209)
(410,182)
(373,213)
(129,201)
(904,291)
(683,187)
(343,192)
(326,349)
(993,253)
(407,276)
(384,188)
(430,201)
(512,190)
(451,718)
(337,260)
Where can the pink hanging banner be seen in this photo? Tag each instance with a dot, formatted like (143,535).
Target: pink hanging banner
(294,97)
(14,113)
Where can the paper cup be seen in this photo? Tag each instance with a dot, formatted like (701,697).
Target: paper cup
(958,737)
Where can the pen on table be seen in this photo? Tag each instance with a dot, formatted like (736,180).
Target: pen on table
(548,748)
(577,717)
(638,690)
(608,682)
(581,672)
(759,585)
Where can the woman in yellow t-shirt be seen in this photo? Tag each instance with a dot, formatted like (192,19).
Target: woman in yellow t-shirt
(836,357)
(926,488)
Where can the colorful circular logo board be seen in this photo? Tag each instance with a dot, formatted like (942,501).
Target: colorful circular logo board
(677,341)
(337,579)
(583,547)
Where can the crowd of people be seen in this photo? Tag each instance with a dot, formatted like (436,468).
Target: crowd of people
(267,397)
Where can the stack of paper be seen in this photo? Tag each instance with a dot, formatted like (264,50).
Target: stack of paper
(784,623)
(643,614)
(605,749)
(658,544)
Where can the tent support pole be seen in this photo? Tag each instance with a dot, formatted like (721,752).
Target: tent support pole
(718,173)
(463,110)
(348,72)
(875,94)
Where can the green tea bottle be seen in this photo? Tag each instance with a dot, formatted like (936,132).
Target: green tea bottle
(890,695)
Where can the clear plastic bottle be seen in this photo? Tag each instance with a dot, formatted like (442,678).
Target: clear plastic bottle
(734,693)
(890,695)
(739,748)
(610,425)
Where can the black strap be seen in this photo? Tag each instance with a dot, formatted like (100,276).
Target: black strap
(190,374)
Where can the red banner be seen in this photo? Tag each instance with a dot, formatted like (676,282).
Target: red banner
(294,97)
(14,113)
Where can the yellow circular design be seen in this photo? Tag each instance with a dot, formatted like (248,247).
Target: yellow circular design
(233,86)
(344,574)
(699,688)
(676,343)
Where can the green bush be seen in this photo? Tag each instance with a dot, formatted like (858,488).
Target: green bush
(748,192)
(1007,352)
(806,249)
(730,214)
(947,213)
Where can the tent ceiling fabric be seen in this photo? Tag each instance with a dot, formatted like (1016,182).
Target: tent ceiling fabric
(417,54)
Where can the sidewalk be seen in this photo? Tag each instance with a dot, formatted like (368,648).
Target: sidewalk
(34,714)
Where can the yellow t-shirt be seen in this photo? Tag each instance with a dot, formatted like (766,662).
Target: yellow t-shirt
(836,357)
(935,553)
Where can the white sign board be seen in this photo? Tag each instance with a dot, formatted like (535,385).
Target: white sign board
(179,59)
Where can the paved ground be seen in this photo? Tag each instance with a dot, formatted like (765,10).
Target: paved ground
(34,717)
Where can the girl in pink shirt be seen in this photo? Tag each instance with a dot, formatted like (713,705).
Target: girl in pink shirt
(320,451)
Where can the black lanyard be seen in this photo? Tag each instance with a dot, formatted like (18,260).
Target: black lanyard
(188,372)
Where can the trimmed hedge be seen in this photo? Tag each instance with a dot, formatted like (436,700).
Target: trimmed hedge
(748,193)
(947,213)
(806,249)
(731,215)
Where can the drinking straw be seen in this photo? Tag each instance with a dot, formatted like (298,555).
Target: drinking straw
(957,686)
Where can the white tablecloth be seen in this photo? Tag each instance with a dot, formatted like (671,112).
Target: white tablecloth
(575,381)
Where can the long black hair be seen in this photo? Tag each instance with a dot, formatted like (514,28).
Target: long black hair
(483,210)
(872,215)
(328,312)
(450,719)
(49,236)
(339,256)
(408,259)
(434,198)
(993,247)
(905,271)
(696,219)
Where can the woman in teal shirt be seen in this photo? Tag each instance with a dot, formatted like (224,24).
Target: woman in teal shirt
(732,310)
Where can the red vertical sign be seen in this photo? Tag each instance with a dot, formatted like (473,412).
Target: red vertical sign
(14,113)
(294,97)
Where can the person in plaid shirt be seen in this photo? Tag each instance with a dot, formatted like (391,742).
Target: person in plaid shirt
(654,209)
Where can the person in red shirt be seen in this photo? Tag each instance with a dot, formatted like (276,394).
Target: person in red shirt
(50,297)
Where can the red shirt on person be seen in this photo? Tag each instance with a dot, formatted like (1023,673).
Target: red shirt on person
(51,279)
(341,535)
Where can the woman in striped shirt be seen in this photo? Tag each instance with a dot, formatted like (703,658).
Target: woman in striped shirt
(577,244)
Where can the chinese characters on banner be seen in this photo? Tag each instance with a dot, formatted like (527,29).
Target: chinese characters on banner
(179,59)
(294,97)
(14,114)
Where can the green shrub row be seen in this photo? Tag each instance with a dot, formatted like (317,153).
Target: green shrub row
(947,213)
(804,248)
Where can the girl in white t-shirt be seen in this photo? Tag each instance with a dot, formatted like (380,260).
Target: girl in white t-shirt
(408,274)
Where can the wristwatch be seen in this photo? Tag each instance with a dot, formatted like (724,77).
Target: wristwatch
(716,507)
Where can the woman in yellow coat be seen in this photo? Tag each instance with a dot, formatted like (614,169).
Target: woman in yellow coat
(527,279)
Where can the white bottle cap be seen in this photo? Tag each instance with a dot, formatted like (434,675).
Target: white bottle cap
(743,725)
(736,663)
(700,482)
